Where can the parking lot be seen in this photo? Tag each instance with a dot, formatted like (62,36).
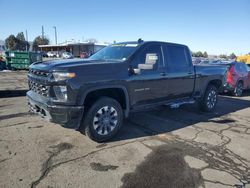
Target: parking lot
(162,147)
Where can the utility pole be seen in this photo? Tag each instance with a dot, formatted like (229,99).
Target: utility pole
(26,33)
(55,34)
(42,32)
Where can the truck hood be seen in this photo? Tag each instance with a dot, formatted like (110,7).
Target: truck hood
(88,70)
(62,64)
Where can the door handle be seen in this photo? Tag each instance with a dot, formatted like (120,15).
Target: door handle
(163,74)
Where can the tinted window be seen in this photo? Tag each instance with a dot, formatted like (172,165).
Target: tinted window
(237,67)
(240,67)
(243,67)
(149,55)
(248,67)
(177,58)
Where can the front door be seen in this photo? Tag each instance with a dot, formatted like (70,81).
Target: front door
(146,85)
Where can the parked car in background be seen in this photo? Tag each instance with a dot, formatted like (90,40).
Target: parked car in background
(196,60)
(238,78)
(53,54)
(50,54)
(84,55)
(67,55)
(44,54)
(211,62)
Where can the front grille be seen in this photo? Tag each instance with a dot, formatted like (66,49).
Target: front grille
(38,72)
(39,88)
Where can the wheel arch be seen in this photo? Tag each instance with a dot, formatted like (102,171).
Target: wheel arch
(240,81)
(217,83)
(118,93)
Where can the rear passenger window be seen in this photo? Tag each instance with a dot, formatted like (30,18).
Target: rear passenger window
(177,58)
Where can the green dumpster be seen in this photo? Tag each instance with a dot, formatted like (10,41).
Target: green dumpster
(16,60)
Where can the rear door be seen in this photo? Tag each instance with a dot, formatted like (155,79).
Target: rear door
(179,71)
(241,73)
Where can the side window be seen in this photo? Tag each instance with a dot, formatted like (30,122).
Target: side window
(237,67)
(248,68)
(177,58)
(150,58)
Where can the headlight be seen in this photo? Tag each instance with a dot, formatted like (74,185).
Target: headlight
(60,76)
(61,92)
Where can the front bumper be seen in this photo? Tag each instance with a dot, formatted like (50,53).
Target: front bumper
(67,116)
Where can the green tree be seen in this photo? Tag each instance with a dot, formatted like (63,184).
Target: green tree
(223,56)
(197,54)
(20,36)
(232,56)
(205,54)
(39,41)
(22,43)
(11,42)
(17,43)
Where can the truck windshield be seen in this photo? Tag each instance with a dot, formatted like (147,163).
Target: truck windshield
(115,52)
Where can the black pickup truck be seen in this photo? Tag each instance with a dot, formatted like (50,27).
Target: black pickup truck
(94,95)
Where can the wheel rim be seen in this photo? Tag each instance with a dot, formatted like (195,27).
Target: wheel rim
(239,89)
(211,99)
(105,120)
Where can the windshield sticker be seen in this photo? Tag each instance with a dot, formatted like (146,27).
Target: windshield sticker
(131,45)
(117,45)
(124,45)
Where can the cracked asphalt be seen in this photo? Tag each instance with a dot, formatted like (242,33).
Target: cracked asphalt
(162,147)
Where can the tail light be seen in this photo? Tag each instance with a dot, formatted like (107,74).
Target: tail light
(230,74)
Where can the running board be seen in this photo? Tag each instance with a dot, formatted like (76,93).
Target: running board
(177,104)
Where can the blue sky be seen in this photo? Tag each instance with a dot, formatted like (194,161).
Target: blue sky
(215,26)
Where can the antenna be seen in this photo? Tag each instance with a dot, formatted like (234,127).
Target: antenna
(140,40)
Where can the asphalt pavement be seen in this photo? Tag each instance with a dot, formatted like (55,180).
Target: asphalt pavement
(162,147)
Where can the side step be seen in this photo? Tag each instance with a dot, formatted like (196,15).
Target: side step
(177,104)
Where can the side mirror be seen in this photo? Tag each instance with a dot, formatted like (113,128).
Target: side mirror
(145,66)
(134,71)
(137,71)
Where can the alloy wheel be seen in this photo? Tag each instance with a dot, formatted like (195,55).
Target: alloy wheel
(105,120)
(211,99)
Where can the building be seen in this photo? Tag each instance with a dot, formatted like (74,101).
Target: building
(76,48)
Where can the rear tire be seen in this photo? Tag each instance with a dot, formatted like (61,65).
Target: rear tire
(103,119)
(238,89)
(210,99)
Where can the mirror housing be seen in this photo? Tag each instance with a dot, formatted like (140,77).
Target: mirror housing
(145,66)
(133,71)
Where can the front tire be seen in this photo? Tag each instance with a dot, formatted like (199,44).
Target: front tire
(210,99)
(103,119)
